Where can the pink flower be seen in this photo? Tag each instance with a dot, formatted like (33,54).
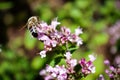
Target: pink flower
(43,54)
(47,47)
(71,63)
(48,77)
(107,62)
(57,72)
(101,77)
(63,39)
(68,55)
(54,43)
(92,57)
(75,39)
(112,68)
(43,37)
(42,72)
(43,24)
(78,31)
(112,71)
(79,41)
(54,23)
(107,71)
(87,67)
(65,31)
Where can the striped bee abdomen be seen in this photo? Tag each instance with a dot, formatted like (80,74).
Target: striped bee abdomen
(33,31)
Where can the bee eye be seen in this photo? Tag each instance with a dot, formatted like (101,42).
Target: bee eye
(35,34)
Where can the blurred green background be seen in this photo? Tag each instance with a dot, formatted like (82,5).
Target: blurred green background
(18,50)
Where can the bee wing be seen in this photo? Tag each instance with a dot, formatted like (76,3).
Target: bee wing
(23,27)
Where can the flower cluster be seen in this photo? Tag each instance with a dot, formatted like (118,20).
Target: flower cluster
(71,63)
(51,37)
(60,72)
(87,67)
(112,71)
(66,72)
(57,72)
(62,40)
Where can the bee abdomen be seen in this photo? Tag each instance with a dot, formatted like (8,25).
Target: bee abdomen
(33,31)
(34,34)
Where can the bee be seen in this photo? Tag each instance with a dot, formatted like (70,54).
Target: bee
(32,24)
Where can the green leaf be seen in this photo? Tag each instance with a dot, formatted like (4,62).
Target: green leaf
(77,68)
(72,47)
(52,63)
(60,49)
(58,59)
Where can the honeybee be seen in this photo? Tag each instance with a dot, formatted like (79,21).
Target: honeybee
(32,24)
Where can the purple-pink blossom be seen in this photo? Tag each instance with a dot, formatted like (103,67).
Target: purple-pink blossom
(92,57)
(78,31)
(107,62)
(68,55)
(101,77)
(71,63)
(87,66)
(43,54)
(57,72)
(112,71)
